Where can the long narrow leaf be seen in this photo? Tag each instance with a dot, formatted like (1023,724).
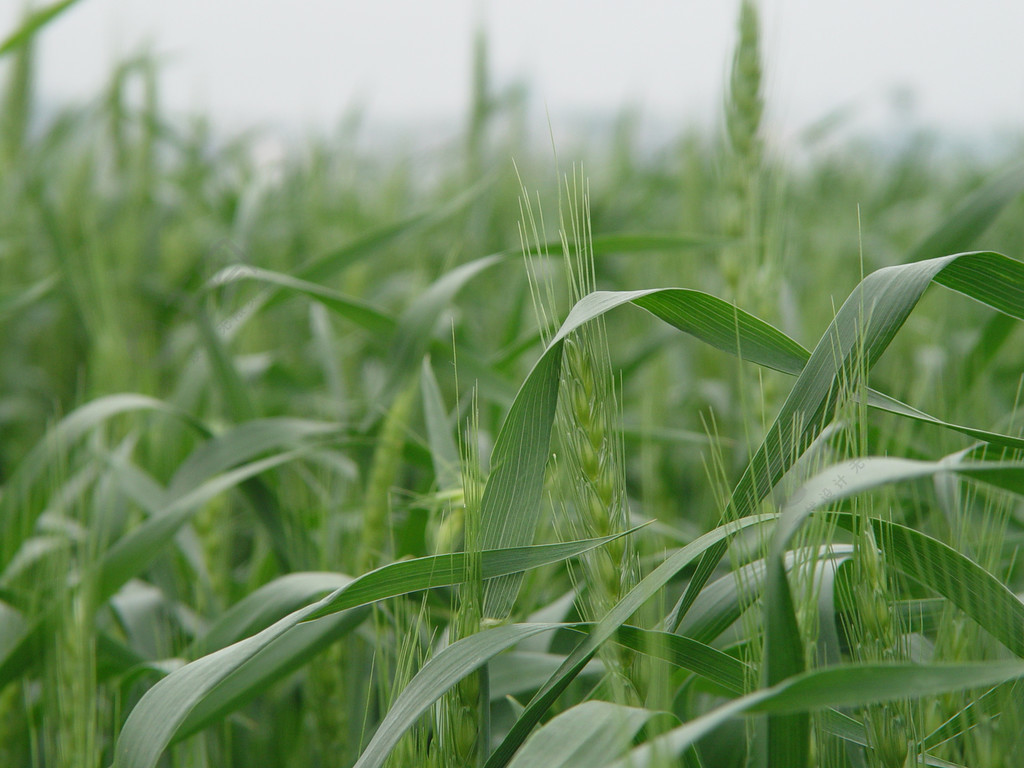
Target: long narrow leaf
(157,718)
(844,686)
(863,328)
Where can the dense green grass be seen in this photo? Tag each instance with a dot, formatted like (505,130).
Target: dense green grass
(310,467)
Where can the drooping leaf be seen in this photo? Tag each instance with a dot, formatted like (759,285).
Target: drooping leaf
(862,330)
(158,717)
(847,685)
(355,310)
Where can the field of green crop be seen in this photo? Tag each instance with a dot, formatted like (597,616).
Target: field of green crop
(615,456)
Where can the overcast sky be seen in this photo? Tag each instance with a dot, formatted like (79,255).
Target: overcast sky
(305,62)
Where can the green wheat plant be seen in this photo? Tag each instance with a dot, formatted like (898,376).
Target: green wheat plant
(310,467)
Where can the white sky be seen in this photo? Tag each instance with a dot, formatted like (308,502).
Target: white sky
(304,62)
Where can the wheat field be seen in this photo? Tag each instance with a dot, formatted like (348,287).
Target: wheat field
(685,456)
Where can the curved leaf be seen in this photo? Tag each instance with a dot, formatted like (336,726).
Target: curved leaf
(863,328)
(844,686)
(422,573)
(359,312)
(160,714)
(281,656)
